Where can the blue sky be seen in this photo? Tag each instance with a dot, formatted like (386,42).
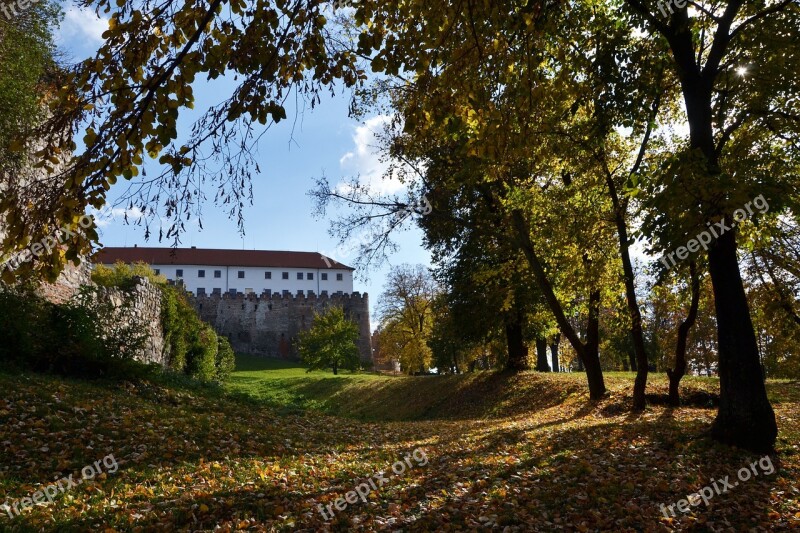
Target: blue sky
(324,141)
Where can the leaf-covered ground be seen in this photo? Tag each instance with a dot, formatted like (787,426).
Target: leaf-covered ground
(508,453)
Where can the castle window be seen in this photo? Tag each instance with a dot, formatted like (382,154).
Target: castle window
(324,293)
(157,271)
(201,273)
(339,277)
(201,291)
(324,277)
(267,275)
(179,273)
(217,291)
(241,274)
(310,275)
(299,275)
(218,273)
(285,275)
(232,292)
(300,292)
(285,292)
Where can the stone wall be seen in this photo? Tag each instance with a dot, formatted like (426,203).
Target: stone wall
(68,283)
(265,325)
(140,307)
(269,324)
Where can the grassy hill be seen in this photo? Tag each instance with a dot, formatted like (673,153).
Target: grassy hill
(503,452)
(287,385)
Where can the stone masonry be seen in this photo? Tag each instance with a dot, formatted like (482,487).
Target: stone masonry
(141,307)
(268,325)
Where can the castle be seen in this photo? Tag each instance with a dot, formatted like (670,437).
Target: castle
(269,324)
(259,299)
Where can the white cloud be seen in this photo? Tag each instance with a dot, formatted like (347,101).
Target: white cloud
(106,216)
(81,27)
(365,159)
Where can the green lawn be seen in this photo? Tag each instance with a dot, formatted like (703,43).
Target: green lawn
(288,385)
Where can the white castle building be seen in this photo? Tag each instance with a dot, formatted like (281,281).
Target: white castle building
(209,271)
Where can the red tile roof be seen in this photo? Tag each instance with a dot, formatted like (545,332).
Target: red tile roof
(210,257)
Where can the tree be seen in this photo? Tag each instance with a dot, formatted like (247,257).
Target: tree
(331,342)
(29,76)
(713,173)
(730,114)
(27,71)
(676,374)
(406,311)
(128,99)
(524,92)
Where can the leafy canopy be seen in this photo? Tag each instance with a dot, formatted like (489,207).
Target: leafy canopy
(331,342)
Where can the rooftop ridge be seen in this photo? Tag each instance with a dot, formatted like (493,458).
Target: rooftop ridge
(228,257)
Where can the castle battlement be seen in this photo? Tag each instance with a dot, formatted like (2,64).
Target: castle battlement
(269,323)
(310,296)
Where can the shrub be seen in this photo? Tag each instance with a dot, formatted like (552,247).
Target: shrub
(69,339)
(226,359)
(201,358)
(194,347)
(91,335)
(122,276)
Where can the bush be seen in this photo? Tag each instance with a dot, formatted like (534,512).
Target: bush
(194,347)
(226,359)
(87,336)
(122,276)
(201,358)
(68,339)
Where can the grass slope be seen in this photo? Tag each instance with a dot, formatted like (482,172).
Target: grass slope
(539,457)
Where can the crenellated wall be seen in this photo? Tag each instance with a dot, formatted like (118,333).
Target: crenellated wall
(269,324)
(265,325)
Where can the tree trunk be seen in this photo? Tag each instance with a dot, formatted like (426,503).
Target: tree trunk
(517,350)
(554,352)
(522,234)
(541,355)
(677,374)
(591,353)
(745,416)
(641,364)
(632,361)
(335,369)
